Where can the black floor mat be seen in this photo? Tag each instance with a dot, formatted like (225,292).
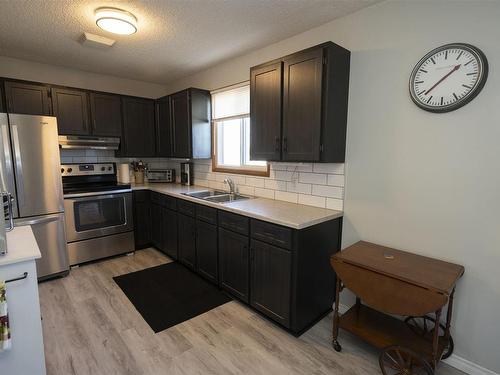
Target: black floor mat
(169,294)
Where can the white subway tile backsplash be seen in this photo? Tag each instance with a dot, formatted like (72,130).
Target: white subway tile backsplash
(200,182)
(300,167)
(335,204)
(216,185)
(313,178)
(283,175)
(264,193)
(328,191)
(333,168)
(256,182)
(246,190)
(297,187)
(286,196)
(312,200)
(336,180)
(275,184)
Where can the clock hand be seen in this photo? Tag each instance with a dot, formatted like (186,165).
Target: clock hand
(442,79)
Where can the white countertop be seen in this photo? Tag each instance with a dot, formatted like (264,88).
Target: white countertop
(21,246)
(297,216)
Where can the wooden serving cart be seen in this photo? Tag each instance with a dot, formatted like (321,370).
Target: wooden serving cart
(388,281)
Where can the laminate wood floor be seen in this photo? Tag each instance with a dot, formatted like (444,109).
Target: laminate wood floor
(90,327)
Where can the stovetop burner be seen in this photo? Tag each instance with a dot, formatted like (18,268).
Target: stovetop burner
(89,178)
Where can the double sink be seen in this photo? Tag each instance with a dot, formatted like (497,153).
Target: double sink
(216,196)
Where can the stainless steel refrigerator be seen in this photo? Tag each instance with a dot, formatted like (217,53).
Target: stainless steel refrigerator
(30,171)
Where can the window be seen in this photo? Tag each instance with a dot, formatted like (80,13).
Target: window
(231,124)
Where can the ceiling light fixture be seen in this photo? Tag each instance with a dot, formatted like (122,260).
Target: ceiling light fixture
(116,21)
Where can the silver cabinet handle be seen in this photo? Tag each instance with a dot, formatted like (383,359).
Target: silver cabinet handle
(41,220)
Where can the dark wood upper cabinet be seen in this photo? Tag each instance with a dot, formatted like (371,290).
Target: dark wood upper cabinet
(302,92)
(27,99)
(71,109)
(164,139)
(270,278)
(265,119)
(191,129)
(106,114)
(139,127)
(314,88)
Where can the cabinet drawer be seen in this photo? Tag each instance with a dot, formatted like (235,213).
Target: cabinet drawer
(156,198)
(236,223)
(185,207)
(164,200)
(271,233)
(207,214)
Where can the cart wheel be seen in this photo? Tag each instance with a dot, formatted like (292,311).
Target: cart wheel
(336,346)
(424,326)
(395,360)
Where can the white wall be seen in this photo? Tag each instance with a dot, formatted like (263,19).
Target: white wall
(33,71)
(428,183)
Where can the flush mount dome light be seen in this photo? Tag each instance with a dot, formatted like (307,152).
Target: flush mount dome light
(116,21)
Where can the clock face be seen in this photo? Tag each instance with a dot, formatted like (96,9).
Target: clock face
(448,77)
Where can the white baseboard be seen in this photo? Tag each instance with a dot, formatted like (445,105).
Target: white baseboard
(455,361)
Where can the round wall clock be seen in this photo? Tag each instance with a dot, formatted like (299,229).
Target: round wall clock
(448,77)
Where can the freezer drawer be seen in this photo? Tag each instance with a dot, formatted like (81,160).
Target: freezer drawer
(50,235)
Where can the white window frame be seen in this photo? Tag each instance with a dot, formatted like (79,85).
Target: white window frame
(253,170)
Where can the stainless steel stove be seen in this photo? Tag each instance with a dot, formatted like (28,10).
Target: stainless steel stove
(99,219)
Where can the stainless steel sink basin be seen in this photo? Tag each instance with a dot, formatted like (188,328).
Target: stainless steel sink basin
(226,198)
(205,193)
(216,196)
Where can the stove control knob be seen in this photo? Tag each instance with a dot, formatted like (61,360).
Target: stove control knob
(62,170)
(69,170)
(110,168)
(103,169)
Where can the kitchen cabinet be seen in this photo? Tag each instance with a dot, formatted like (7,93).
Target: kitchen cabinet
(164,138)
(157,225)
(27,98)
(142,219)
(2,99)
(71,109)
(233,263)
(190,124)
(206,250)
(314,87)
(187,240)
(265,104)
(169,225)
(270,277)
(138,127)
(106,114)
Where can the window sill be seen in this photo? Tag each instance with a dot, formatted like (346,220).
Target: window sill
(244,171)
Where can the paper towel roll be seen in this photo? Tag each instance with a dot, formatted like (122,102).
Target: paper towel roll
(124,173)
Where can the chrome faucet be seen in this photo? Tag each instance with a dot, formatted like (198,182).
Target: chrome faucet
(231,185)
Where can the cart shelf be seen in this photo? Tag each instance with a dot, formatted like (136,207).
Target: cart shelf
(382,330)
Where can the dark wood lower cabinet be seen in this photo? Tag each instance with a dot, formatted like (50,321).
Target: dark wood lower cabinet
(156,226)
(187,240)
(142,219)
(169,227)
(206,251)
(270,278)
(233,263)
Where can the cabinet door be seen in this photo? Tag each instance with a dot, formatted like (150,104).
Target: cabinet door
(187,240)
(181,124)
(2,97)
(163,128)
(139,127)
(142,219)
(27,99)
(169,225)
(302,94)
(270,275)
(233,263)
(206,250)
(265,112)
(71,109)
(157,226)
(106,114)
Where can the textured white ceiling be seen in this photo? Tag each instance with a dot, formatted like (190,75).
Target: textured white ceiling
(175,38)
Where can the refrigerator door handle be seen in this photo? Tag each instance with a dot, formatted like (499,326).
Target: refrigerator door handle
(19,164)
(6,148)
(41,220)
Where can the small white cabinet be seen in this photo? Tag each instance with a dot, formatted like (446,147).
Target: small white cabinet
(27,353)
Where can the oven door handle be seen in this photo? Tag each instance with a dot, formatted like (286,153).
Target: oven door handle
(42,220)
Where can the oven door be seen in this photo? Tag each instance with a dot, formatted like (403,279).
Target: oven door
(98,215)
